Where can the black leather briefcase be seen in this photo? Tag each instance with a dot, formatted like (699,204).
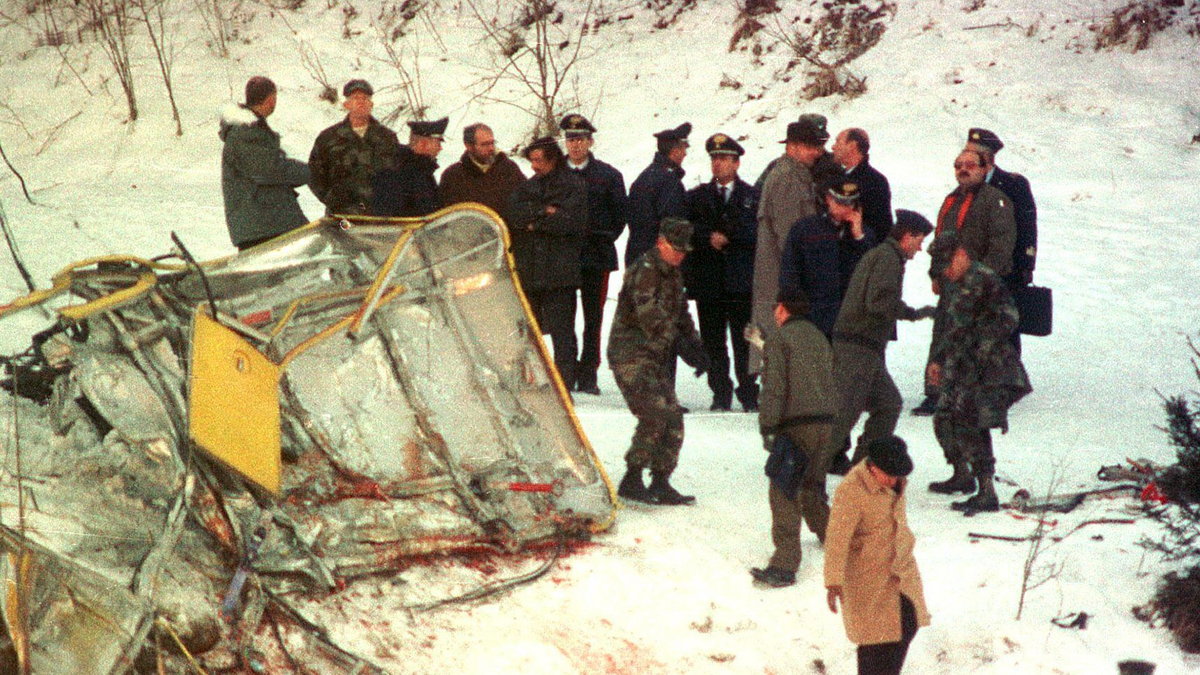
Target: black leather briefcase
(1036,305)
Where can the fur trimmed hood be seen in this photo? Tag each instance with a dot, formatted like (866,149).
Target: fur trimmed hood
(237,115)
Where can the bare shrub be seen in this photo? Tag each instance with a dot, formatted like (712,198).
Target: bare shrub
(222,20)
(162,33)
(111,20)
(1132,26)
(829,37)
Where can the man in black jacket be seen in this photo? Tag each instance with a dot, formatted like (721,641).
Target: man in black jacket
(851,150)
(408,188)
(547,223)
(606,221)
(657,192)
(1016,186)
(719,272)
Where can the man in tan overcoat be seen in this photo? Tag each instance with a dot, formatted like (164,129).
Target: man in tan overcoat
(869,564)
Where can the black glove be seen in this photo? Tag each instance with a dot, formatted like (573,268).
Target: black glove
(701,364)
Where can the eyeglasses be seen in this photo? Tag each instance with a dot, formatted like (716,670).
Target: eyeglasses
(966,165)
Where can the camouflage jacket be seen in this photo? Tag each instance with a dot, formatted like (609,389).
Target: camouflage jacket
(982,374)
(651,314)
(342,164)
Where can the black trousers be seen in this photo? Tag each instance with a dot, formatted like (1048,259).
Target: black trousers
(593,291)
(888,658)
(554,309)
(715,319)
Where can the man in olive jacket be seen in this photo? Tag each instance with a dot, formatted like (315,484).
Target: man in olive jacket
(797,399)
(865,325)
(869,563)
(346,155)
(547,223)
(258,181)
(981,217)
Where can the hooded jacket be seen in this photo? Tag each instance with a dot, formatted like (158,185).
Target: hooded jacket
(258,181)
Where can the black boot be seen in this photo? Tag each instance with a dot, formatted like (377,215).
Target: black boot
(585,382)
(747,395)
(722,401)
(773,576)
(962,481)
(662,493)
(984,501)
(632,487)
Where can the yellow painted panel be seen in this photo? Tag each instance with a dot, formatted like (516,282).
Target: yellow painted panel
(234,402)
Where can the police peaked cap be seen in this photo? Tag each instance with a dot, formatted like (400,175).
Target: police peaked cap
(576,125)
(357,85)
(843,191)
(679,133)
(720,144)
(435,129)
(985,138)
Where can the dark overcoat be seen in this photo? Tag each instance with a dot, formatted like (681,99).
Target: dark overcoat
(1016,186)
(656,194)
(406,189)
(875,196)
(711,275)
(818,261)
(464,181)
(607,207)
(545,247)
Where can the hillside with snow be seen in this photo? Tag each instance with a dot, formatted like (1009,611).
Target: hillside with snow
(1105,137)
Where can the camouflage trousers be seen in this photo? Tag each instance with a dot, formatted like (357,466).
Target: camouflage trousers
(964,443)
(941,321)
(651,398)
(809,505)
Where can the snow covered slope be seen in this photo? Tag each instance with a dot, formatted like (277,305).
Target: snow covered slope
(1103,137)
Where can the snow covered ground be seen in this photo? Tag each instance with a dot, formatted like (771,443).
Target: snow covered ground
(1103,136)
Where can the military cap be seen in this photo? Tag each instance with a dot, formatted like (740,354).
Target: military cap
(576,125)
(843,192)
(258,88)
(720,144)
(941,251)
(357,85)
(913,221)
(679,133)
(430,129)
(985,138)
(809,129)
(677,232)
(890,455)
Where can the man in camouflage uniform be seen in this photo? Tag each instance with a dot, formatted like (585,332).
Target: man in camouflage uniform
(979,373)
(347,154)
(649,327)
(982,218)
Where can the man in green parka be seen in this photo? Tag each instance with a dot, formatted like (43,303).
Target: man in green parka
(258,181)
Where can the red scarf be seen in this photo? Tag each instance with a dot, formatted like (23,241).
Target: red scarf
(962,211)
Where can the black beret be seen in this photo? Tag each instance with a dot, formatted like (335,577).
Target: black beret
(913,221)
(985,138)
(720,144)
(258,88)
(576,125)
(679,133)
(890,454)
(357,85)
(430,129)
(544,143)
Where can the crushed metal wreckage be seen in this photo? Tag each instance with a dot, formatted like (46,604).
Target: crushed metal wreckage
(197,455)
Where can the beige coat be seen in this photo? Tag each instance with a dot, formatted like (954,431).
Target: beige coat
(788,195)
(869,553)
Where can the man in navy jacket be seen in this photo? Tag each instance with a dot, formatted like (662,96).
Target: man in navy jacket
(719,272)
(606,220)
